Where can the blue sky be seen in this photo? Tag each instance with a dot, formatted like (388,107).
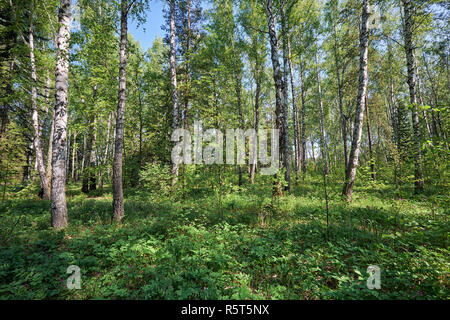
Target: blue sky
(151,29)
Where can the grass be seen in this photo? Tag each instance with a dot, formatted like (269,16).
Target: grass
(234,244)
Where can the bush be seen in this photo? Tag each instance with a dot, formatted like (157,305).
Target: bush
(156,179)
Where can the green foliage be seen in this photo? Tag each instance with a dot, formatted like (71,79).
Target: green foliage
(246,246)
(11,156)
(155,179)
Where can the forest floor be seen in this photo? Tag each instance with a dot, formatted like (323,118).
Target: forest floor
(229,245)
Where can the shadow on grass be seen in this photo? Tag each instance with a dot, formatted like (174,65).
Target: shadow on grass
(218,248)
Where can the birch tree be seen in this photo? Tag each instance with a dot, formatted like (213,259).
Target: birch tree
(58,188)
(352,166)
(410,62)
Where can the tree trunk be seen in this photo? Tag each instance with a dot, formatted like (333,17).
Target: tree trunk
(350,174)
(409,48)
(187,75)
(74,152)
(188,65)
(435,103)
(50,139)
(297,144)
(280,102)
(68,156)
(419,94)
(141,128)
(256,116)
(35,117)
(173,77)
(369,136)
(323,137)
(118,210)
(340,81)
(104,160)
(92,159)
(89,157)
(83,160)
(303,128)
(286,152)
(58,189)
(241,116)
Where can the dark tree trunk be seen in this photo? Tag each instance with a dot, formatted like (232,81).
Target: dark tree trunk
(409,50)
(280,102)
(118,210)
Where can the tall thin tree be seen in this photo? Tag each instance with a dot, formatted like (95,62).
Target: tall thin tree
(173,79)
(35,113)
(118,210)
(59,218)
(280,101)
(352,166)
(409,50)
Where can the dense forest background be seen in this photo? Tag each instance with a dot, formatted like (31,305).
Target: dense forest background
(359,92)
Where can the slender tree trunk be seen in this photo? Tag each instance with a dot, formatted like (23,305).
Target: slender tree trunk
(297,144)
(392,99)
(238,89)
(286,152)
(256,116)
(141,128)
(50,139)
(187,76)
(409,50)
(105,157)
(350,174)
(26,168)
(92,159)
(83,160)
(58,190)
(369,136)
(86,162)
(35,117)
(188,65)
(67,156)
(435,103)
(323,137)
(280,102)
(419,94)
(303,128)
(173,76)
(118,210)
(340,81)
(87,157)
(74,152)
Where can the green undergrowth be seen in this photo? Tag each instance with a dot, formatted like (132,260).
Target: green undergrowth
(233,244)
